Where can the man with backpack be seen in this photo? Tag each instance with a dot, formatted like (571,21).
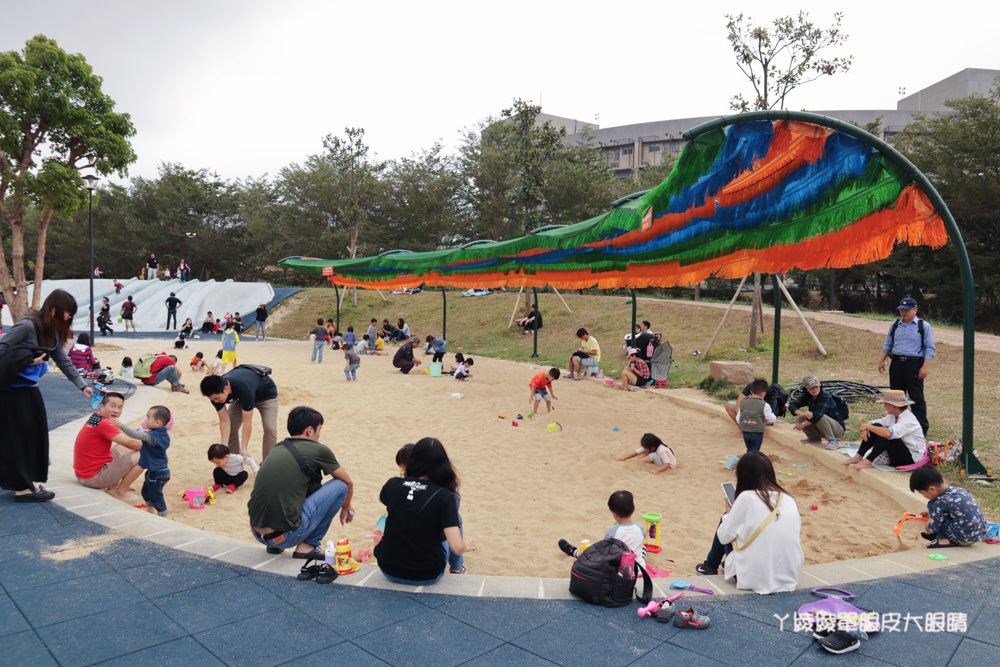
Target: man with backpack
(910,346)
(161,367)
(818,413)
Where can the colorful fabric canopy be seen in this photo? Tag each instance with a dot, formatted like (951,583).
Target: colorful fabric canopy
(760,195)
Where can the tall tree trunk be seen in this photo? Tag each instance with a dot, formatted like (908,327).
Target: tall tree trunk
(754,310)
(43,231)
(19,304)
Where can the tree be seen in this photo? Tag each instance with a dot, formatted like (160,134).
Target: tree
(54,121)
(776,61)
(487,172)
(533,146)
(959,152)
(422,204)
(780,59)
(578,184)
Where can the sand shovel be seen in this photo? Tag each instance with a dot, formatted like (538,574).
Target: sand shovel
(680,583)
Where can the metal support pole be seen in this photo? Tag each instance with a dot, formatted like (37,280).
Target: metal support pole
(91,216)
(632,330)
(776,353)
(336,295)
(444,315)
(534,353)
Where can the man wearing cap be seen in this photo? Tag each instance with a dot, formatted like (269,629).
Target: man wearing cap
(637,372)
(816,414)
(404,360)
(898,435)
(910,346)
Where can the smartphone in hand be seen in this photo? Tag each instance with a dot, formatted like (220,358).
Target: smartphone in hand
(730,490)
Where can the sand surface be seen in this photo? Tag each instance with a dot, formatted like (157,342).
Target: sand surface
(522,487)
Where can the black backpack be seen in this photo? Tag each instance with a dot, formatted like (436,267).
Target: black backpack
(841,409)
(777,398)
(595,579)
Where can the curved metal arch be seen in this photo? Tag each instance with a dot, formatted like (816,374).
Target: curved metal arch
(969,460)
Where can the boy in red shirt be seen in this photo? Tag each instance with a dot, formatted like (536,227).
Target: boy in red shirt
(541,389)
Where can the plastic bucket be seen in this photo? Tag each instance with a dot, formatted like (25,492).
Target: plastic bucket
(435,369)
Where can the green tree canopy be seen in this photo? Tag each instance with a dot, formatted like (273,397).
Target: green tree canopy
(54,121)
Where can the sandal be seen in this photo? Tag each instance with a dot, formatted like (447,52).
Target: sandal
(935,545)
(309,571)
(327,573)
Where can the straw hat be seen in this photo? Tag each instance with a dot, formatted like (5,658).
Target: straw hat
(896,397)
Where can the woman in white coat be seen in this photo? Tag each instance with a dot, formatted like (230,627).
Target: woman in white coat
(761,546)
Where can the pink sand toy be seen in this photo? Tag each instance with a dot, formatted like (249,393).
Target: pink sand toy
(196,498)
(654,606)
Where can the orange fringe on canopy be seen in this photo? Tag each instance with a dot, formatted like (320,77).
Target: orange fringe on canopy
(793,145)
(912,220)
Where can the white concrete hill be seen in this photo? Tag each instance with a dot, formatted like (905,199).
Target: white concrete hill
(197,299)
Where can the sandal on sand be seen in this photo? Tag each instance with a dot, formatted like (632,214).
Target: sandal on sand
(460,570)
(327,574)
(309,571)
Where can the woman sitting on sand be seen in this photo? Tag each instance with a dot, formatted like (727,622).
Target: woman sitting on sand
(188,328)
(402,331)
(898,435)
(420,508)
(759,533)
(387,330)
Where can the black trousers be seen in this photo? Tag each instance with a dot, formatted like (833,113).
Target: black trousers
(903,375)
(899,455)
(223,478)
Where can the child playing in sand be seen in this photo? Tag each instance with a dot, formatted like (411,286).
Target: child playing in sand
(349,338)
(318,336)
(353,362)
(229,473)
(655,452)
(540,389)
(362,348)
(462,370)
(622,507)
(754,413)
(217,364)
(198,362)
(435,346)
(229,340)
(152,456)
(954,518)
(82,355)
(127,372)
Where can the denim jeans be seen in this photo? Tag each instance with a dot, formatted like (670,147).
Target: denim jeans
(352,371)
(718,550)
(753,441)
(317,354)
(152,489)
(318,512)
(412,582)
(171,313)
(168,373)
(261,330)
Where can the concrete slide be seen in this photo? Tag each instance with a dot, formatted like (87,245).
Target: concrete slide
(197,299)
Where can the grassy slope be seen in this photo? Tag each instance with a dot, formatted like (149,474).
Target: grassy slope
(478,326)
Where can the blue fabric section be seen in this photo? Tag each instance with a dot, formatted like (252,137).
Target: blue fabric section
(844,157)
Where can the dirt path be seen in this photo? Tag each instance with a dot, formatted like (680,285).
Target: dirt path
(984,342)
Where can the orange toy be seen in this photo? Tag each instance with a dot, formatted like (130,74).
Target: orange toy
(907,517)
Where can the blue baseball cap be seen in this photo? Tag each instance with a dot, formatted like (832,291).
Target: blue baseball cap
(907,304)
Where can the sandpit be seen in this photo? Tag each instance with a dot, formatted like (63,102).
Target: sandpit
(522,487)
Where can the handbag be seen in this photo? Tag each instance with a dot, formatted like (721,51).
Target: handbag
(761,527)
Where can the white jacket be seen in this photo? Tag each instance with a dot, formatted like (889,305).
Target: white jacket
(772,562)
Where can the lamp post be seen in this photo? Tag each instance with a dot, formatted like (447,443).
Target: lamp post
(190,235)
(91,184)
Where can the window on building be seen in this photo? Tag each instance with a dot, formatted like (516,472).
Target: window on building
(627,150)
(654,148)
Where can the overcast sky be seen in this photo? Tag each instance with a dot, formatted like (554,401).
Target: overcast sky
(245,87)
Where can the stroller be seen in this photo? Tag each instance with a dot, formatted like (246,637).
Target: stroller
(659,364)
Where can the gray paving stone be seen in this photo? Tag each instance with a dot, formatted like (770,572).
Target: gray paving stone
(25,648)
(426,639)
(577,638)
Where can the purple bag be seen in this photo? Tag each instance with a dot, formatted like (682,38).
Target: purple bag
(837,607)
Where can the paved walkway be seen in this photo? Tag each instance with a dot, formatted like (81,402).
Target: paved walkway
(75,592)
